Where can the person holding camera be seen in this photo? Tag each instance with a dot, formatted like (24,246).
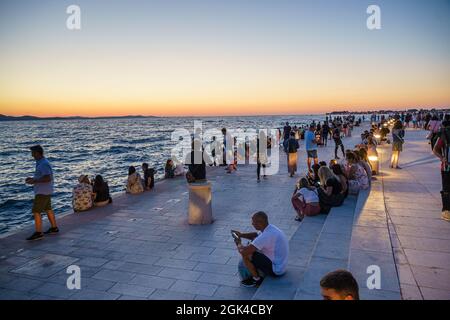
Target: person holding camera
(266,254)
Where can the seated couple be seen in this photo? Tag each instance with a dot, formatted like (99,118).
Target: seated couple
(172,170)
(86,195)
(135,184)
(309,200)
(266,254)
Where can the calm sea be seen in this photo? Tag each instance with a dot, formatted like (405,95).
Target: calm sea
(107,147)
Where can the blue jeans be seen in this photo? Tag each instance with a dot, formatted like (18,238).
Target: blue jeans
(262,264)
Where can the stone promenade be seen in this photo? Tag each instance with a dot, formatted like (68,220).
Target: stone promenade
(141,247)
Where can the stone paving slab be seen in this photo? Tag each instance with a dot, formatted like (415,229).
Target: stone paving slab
(420,238)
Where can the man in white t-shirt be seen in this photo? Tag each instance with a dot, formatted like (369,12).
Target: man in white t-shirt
(266,253)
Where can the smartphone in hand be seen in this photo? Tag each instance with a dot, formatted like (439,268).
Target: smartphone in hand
(236,237)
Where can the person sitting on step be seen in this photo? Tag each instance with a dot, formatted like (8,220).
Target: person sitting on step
(266,254)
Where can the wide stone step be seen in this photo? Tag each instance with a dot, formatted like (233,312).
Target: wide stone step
(321,244)
(331,251)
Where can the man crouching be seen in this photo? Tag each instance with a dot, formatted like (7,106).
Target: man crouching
(265,255)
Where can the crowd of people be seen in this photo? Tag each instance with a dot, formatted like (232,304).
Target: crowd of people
(327,185)
(323,186)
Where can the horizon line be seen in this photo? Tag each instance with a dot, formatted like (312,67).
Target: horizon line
(224,115)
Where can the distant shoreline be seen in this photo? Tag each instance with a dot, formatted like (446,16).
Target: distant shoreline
(332,113)
(33,118)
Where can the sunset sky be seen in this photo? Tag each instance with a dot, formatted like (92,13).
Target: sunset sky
(222,57)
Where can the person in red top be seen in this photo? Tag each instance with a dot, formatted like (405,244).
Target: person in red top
(441,150)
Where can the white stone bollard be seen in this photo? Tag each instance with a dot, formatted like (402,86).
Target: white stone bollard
(200,206)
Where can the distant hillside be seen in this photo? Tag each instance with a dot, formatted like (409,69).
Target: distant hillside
(28,118)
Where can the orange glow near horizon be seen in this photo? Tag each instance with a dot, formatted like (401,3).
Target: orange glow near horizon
(99,92)
(259,60)
(92,85)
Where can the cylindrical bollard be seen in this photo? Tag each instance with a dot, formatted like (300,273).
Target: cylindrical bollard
(200,206)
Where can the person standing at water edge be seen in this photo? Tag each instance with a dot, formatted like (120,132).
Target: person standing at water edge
(43,189)
(261,155)
(338,143)
(397,143)
(325,131)
(292,147)
(311,146)
(441,149)
(286,134)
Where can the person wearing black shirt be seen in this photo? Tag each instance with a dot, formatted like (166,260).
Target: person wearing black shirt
(261,154)
(196,161)
(330,191)
(224,147)
(101,191)
(324,135)
(149,177)
(338,142)
(286,134)
(169,169)
(292,147)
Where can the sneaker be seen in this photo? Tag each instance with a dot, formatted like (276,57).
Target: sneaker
(250,282)
(36,236)
(298,218)
(446,215)
(52,230)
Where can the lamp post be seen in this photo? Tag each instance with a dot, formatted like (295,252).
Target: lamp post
(374,161)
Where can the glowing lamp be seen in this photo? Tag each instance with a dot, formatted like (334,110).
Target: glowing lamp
(374,163)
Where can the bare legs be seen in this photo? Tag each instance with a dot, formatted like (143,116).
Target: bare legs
(249,265)
(38,220)
(316,161)
(394,159)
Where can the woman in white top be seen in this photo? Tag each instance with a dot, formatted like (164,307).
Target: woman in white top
(305,200)
(134,182)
